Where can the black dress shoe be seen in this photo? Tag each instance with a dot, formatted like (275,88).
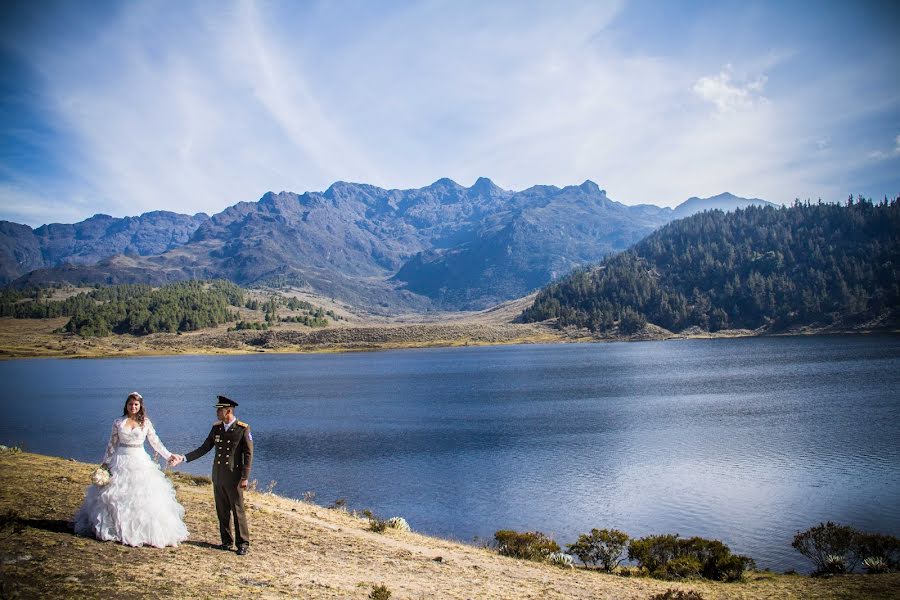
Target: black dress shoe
(243,549)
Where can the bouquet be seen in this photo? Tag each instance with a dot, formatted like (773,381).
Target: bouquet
(100,476)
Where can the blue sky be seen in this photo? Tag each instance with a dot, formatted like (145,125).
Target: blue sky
(127,107)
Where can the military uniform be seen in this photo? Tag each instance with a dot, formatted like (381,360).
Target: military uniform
(231,463)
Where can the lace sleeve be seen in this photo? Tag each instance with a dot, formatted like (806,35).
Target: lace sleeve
(113,442)
(155,441)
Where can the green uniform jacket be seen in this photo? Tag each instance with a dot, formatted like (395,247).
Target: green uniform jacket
(234,450)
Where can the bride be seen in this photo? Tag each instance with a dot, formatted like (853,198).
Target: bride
(138,505)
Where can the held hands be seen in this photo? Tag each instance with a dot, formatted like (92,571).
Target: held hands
(175,460)
(243,484)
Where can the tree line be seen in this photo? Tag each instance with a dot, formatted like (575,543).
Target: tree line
(134,309)
(141,309)
(809,264)
(310,314)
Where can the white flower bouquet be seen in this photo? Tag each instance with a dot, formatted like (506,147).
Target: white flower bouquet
(100,476)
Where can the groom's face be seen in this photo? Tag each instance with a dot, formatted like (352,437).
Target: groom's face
(223,414)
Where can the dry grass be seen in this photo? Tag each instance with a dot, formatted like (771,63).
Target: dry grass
(25,338)
(301,550)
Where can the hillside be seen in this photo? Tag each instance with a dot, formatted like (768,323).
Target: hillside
(811,265)
(443,246)
(302,550)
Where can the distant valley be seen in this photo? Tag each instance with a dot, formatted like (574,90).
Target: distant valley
(441,247)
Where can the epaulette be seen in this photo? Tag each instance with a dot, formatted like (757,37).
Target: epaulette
(217,423)
(241,424)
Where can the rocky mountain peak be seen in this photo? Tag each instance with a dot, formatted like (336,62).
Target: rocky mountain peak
(485,187)
(445,183)
(589,187)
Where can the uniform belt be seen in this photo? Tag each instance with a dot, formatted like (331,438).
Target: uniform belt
(131,445)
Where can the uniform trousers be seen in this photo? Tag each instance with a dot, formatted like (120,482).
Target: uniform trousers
(230,507)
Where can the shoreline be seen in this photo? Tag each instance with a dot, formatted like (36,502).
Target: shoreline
(300,549)
(32,338)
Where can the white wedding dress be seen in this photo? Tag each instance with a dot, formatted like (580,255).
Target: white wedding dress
(138,506)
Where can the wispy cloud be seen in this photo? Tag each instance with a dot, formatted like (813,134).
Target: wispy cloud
(200,108)
(893,153)
(728,95)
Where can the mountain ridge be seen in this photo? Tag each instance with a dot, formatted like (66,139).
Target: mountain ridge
(440,246)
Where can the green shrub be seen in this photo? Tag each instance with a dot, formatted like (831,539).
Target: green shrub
(377,525)
(827,542)
(531,545)
(718,563)
(379,592)
(680,567)
(731,567)
(631,571)
(653,551)
(254,325)
(712,558)
(600,546)
(677,595)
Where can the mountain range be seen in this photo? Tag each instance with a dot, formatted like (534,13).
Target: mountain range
(443,246)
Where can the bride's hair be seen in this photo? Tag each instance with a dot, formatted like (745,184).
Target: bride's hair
(139,417)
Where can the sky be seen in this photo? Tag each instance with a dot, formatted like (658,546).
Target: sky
(127,107)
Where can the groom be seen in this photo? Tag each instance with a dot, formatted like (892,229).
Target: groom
(230,472)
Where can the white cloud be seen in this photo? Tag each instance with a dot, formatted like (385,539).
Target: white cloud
(882,155)
(730,96)
(203,107)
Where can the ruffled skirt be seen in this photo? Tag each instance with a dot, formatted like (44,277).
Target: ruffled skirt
(137,507)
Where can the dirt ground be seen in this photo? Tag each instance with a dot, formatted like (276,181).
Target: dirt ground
(302,550)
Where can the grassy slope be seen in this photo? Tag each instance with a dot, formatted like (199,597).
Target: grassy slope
(21,338)
(306,551)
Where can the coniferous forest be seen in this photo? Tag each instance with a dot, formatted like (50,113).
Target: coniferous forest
(810,264)
(135,309)
(172,308)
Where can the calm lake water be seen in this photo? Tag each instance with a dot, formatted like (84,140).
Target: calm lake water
(745,440)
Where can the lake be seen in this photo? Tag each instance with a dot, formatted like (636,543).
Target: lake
(743,440)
